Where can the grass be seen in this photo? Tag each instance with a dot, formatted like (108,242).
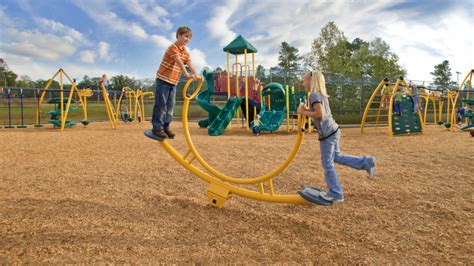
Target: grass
(97,112)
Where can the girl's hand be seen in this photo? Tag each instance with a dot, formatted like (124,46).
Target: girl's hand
(301,108)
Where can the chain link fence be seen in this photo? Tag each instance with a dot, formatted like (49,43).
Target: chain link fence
(348,98)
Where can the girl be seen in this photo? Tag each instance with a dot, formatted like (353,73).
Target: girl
(105,81)
(329,136)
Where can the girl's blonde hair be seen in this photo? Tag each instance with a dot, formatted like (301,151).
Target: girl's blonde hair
(317,82)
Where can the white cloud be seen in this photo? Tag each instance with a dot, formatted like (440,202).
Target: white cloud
(218,26)
(103,50)
(420,40)
(161,41)
(111,20)
(37,45)
(61,29)
(178,2)
(5,20)
(150,12)
(87,56)
(198,59)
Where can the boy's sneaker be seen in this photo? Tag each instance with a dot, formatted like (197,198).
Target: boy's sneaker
(160,133)
(169,133)
(325,196)
(371,170)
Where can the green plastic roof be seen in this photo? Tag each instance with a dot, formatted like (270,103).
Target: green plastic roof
(238,45)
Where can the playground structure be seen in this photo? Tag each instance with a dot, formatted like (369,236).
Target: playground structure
(221,186)
(66,101)
(131,105)
(446,103)
(245,92)
(438,103)
(410,122)
(63,104)
(464,99)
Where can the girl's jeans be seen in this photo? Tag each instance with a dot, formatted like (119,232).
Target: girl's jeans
(331,154)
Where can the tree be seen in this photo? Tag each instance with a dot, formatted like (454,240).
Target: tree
(331,52)
(329,37)
(7,77)
(25,82)
(260,73)
(442,74)
(218,69)
(383,62)
(288,61)
(120,81)
(206,68)
(88,82)
(41,84)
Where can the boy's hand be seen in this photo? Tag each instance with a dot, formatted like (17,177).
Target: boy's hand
(197,77)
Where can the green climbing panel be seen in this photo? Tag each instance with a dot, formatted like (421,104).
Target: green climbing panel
(408,122)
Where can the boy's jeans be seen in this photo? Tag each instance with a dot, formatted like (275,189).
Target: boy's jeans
(416,106)
(164,103)
(397,107)
(331,154)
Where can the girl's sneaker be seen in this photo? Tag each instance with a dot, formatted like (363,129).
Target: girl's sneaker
(371,170)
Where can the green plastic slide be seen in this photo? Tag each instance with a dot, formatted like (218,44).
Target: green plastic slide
(212,109)
(271,120)
(217,127)
(204,100)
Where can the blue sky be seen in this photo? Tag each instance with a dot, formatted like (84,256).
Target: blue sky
(91,37)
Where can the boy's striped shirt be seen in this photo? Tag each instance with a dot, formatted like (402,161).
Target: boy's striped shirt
(169,70)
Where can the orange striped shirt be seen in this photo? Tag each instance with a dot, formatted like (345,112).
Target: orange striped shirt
(169,70)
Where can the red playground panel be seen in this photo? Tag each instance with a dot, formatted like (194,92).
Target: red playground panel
(220,86)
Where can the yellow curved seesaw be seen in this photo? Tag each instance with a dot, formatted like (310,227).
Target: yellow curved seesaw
(222,187)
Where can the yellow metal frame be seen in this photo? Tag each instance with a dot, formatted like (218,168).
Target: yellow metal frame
(431,96)
(64,113)
(393,90)
(369,103)
(222,187)
(83,94)
(108,106)
(467,79)
(129,96)
(140,101)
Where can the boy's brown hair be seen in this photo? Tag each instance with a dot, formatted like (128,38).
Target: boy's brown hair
(183,30)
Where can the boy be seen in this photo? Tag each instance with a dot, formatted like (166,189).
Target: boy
(385,93)
(167,76)
(416,104)
(256,126)
(397,104)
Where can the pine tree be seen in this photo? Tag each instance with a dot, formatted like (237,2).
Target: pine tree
(442,74)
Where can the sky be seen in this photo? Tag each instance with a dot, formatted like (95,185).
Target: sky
(129,37)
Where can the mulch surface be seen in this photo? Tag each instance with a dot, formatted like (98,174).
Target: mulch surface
(100,195)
